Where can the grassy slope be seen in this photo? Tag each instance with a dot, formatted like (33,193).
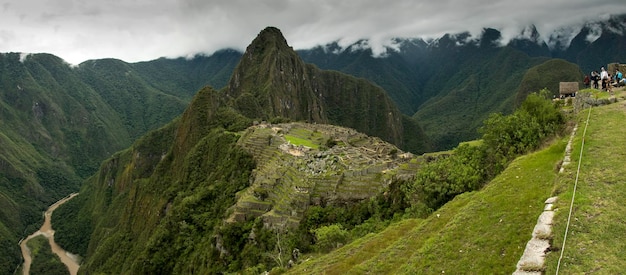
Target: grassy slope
(482,232)
(485,232)
(598,228)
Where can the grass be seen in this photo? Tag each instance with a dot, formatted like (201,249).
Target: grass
(595,236)
(301,141)
(482,232)
(305,137)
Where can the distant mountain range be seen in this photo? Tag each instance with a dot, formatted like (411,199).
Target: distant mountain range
(452,83)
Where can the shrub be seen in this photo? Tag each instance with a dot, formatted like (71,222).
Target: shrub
(330,237)
(469,167)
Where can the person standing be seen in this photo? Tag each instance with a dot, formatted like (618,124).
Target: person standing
(604,77)
(587,80)
(595,78)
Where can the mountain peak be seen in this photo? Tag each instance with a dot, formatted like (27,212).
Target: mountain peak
(271,81)
(272,35)
(269,40)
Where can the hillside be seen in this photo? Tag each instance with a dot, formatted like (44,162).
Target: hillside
(183,198)
(175,196)
(486,231)
(58,123)
(49,120)
(457,80)
(596,223)
(272,81)
(482,232)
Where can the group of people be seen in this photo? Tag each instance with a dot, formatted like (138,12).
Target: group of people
(606,79)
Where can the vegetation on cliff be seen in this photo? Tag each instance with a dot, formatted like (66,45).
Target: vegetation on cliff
(272,81)
(58,122)
(210,197)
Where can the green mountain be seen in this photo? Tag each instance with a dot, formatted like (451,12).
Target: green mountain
(49,119)
(272,81)
(191,197)
(452,83)
(214,192)
(548,75)
(57,124)
(182,77)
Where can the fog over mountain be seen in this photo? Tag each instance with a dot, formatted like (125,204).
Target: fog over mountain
(145,30)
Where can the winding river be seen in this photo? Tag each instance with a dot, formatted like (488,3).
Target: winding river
(70,260)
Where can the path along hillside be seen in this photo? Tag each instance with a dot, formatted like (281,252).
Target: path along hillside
(486,232)
(597,227)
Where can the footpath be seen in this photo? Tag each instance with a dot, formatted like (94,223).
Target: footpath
(574,245)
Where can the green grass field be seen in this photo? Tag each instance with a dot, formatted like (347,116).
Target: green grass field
(597,229)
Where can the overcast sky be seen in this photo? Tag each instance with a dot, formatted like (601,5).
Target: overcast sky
(136,30)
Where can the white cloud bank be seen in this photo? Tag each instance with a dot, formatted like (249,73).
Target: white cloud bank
(78,30)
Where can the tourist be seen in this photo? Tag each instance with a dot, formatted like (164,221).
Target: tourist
(604,77)
(595,77)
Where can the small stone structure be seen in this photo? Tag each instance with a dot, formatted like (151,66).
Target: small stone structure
(568,89)
(611,67)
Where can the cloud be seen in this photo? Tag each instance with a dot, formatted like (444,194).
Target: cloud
(138,30)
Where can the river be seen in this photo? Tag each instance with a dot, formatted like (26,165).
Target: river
(70,260)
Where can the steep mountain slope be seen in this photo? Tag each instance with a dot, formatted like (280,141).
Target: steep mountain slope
(397,72)
(454,81)
(481,232)
(481,84)
(182,77)
(547,75)
(58,123)
(48,121)
(596,44)
(272,81)
(141,106)
(431,80)
(191,196)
